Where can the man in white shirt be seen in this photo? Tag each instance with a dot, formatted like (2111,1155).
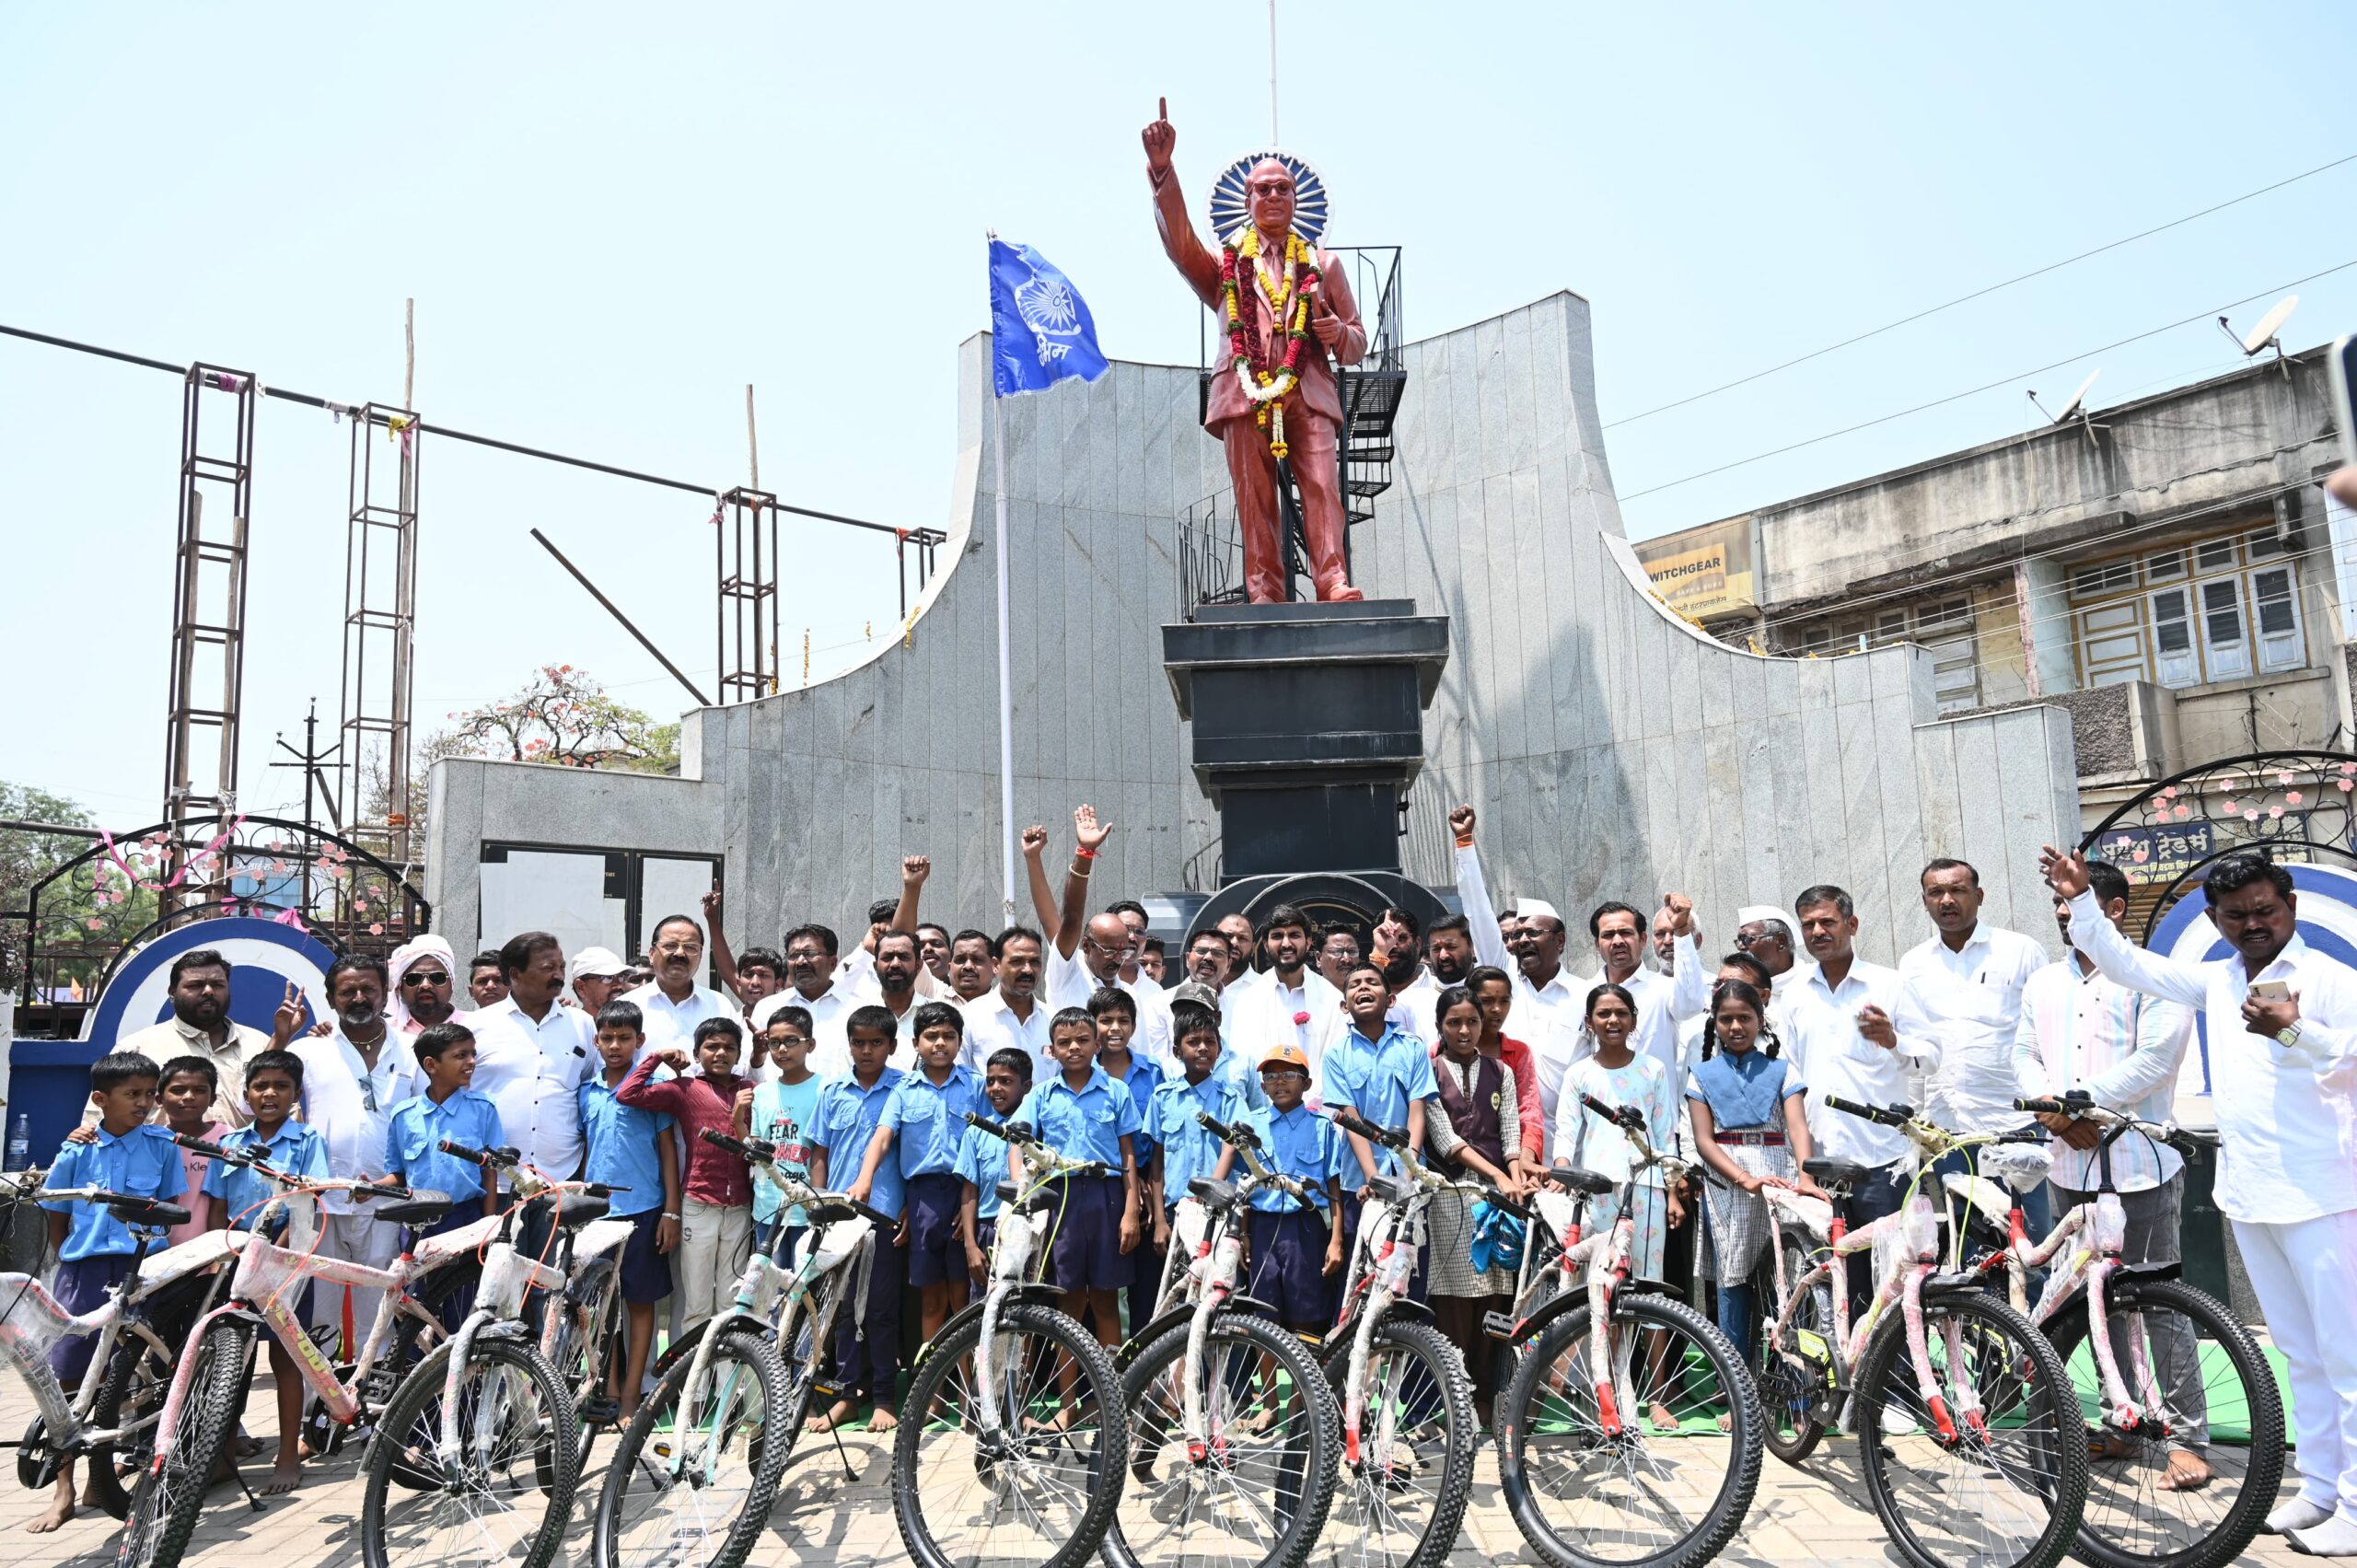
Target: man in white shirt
(1965,983)
(1088,953)
(201,1026)
(1011,1014)
(595,975)
(675,1000)
(2082,1032)
(533,1056)
(899,978)
(1290,1004)
(972,971)
(1762,931)
(2282,1023)
(1848,1027)
(352,1076)
(813,983)
(424,980)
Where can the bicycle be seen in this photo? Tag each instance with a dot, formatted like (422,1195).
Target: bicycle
(1233,1430)
(110,1421)
(1015,1419)
(1400,1382)
(1968,1432)
(483,1430)
(694,1473)
(1631,1432)
(208,1384)
(2147,1313)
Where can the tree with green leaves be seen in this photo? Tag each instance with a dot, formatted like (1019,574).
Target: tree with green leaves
(84,918)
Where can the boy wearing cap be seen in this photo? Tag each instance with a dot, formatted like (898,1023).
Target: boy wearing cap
(1295,1247)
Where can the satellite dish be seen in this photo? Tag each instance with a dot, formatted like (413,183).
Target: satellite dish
(2077,398)
(2271,325)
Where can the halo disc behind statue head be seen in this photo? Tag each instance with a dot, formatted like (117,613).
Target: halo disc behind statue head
(1231,210)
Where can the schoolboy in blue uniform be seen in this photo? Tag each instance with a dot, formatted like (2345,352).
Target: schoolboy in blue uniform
(634,1151)
(92,1244)
(850,1109)
(1183,1149)
(447,1108)
(1296,1248)
(1385,1075)
(1083,1114)
(1116,1016)
(982,1158)
(922,1123)
(237,1197)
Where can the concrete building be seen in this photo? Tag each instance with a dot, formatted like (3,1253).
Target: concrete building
(2168,570)
(1614,751)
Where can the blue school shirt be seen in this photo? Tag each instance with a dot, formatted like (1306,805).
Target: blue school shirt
(1142,1080)
(622,1148)
(981,1160)
(847,1117)
(785,1115)
(413,1137)
(1300,1144)
(1187,1149)
(928,1120)
(1378,1079)
(143,1163)
(296,1149)
(1743,1090)
(1087,1123)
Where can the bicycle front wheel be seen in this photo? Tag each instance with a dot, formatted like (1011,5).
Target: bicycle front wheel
(1407,1470)
(692,1478)
(1650,1459)
(1255,1491)
(1037,1486)
(170,1494)
(2005,1489)
(2205,1393)
(501,1498)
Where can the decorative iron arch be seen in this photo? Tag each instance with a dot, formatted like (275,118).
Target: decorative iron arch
(353,898)
(2290,805)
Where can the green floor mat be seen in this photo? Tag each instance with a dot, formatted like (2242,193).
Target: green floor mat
(2229,1412)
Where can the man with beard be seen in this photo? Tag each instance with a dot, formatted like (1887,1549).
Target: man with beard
(1664,939)
(425,973)
(677,1000)
(352,1076)
(1010,1014)
(898,971)
(533,1056)
(1242,959)
(1291,1005)
(1210,957)
(973,971)
(201,1026)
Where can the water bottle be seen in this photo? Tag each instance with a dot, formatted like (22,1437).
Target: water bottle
(20,1144)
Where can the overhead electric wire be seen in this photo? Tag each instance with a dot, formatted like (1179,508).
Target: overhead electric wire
(1985,387)
(1977,294)
(451,432)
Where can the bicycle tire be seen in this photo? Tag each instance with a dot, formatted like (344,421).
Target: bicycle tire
(137,1379)
(2047,1476)
(1307,1471)
(547,1452)
(1791,1402)
(1634,1318)
(2100,1541)
(1360,1498)
(740,1352)
(1029,1371)
(166,1501)
(809,1326)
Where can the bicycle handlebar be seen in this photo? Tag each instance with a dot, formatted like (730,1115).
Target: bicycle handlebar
(491,1159)
(1892,1116)
(760,1150)
(1350,1121)
(357,1186)
(1620,1115)
(1238,1134)
(2077,1103)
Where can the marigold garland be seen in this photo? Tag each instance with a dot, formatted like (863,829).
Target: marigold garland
(1265,382)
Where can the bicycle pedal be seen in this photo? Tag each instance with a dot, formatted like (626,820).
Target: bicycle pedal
(603,1411)
(1498,1325)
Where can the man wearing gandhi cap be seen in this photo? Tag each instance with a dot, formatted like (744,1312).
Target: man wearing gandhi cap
(1766,933)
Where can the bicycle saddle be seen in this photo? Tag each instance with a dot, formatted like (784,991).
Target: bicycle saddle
(1214,1193)
(1010,1198)
(1593,1183)
(1849,1173)
(575,1210)
(411,1211)
(1391,1191)
(829,1213)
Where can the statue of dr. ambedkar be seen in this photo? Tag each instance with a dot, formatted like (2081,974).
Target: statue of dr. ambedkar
(1283,305)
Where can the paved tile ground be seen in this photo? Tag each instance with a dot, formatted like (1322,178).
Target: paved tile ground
(1819,1515)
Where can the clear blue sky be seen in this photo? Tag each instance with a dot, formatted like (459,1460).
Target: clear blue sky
(613,218)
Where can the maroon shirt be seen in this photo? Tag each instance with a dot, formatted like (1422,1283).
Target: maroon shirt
(714,1175)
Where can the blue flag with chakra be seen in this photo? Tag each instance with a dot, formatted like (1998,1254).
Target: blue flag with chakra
(1040,328)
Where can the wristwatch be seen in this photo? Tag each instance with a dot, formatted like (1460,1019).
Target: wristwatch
(2289,1036)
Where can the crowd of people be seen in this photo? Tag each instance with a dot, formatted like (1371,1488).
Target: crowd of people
(1471,1032)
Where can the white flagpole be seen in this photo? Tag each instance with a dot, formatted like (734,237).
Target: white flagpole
(1006,679)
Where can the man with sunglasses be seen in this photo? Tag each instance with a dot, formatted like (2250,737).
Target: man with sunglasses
(424,985)
(352,1076)
(1766,933)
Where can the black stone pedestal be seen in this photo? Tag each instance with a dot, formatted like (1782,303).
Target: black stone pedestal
(1309,729)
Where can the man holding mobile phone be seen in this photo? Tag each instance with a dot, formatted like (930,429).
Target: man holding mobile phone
(2283,1029)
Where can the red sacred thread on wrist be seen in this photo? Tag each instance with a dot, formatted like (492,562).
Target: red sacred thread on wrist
(1466,842)
(1083,855)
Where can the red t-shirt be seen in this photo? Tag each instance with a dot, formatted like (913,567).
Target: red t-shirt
(714,1175)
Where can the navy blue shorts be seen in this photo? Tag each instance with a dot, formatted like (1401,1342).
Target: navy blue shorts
(81,1287)
(936,1252)
(645,1273)
(1086,1253)
(1288,1266)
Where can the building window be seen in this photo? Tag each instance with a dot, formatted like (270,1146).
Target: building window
(1816,639)
(2166,567)
(2112,577)
(2212,622)
(2275,611)
(2217,555)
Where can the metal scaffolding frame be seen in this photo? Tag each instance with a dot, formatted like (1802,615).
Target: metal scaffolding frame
(746,555)
(379,621)
(208,617)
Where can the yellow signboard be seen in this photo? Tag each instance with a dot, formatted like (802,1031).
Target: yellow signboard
(1701,572)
